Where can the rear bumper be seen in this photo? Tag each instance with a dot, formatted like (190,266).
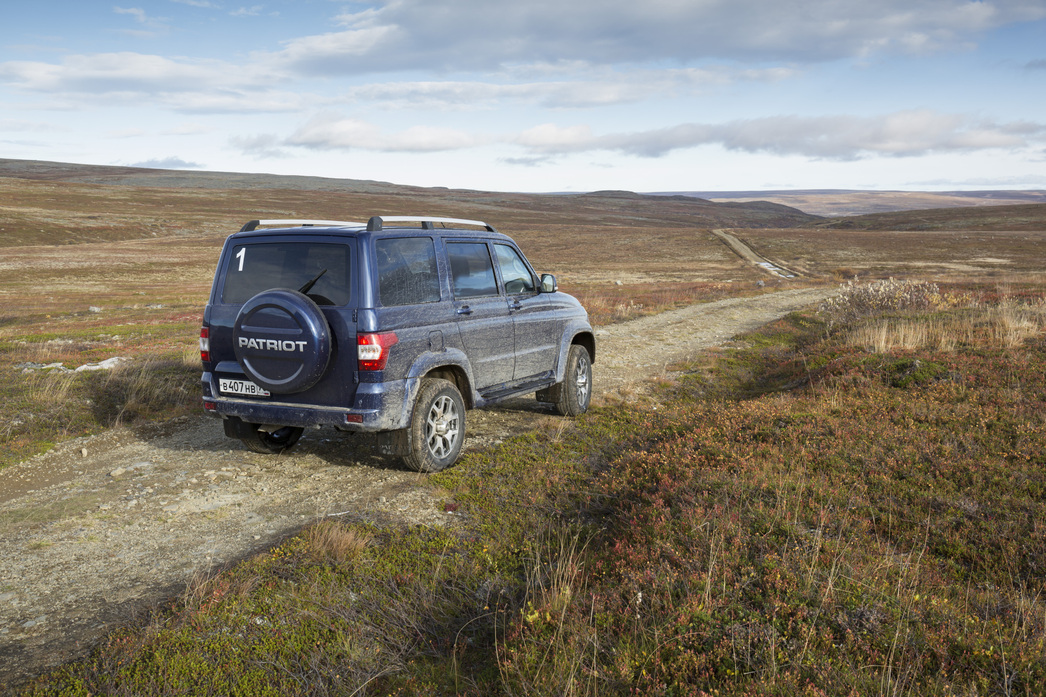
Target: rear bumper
(381,406)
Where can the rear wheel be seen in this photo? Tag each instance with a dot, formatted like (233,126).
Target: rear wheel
(437,427)
(271,443)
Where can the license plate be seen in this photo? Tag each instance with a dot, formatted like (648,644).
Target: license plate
(242,387)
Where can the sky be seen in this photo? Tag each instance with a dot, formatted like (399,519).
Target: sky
(539,95)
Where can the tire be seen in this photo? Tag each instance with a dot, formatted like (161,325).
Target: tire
(572,396)
(437,427)
(282,341)
(270,443)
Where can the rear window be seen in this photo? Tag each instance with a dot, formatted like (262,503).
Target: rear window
(254,268)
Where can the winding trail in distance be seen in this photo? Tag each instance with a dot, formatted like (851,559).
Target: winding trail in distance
(748,254)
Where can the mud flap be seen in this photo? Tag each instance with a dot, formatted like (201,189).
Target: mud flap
(394,443)
(550,394)
(235,428)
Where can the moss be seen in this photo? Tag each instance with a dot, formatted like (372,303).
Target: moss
(914,372)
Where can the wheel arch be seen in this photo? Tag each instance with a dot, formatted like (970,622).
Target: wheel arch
(581,335)
(451,365)
(587,340)
(455,375)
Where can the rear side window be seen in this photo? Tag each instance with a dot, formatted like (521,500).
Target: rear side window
(407,272)
(471,270)
(254,268)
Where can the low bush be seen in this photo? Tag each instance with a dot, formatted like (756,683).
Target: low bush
(858,300)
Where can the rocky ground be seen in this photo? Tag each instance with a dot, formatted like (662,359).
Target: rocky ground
(99,527)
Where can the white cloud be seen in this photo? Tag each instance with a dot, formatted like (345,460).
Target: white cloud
(588,90)
(102,73)
(127,133)
(137,12)
(253,11)
(481,35)
(140,16)
(262,146)
(331,131)
(901,134)
(184,85)
(167,163)
(13,125)
(840,138)
(188,129)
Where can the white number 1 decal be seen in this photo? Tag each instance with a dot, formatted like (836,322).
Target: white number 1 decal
(240,255)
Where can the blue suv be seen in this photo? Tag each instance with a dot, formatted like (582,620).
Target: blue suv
(395,326)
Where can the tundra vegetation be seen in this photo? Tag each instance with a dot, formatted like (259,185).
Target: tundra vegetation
(849,501)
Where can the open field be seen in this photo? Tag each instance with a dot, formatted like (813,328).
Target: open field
(845,502)
(854,203)
(999,255)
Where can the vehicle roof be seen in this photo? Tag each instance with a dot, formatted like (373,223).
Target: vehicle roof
(375,227)
(363,232)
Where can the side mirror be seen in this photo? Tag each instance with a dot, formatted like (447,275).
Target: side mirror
(548,283)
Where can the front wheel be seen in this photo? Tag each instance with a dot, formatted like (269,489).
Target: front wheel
(572,396)
(271,443)
(437,427)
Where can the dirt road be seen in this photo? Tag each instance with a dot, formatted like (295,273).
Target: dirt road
(748,254)
(100,526)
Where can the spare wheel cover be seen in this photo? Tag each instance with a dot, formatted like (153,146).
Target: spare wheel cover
(282,341)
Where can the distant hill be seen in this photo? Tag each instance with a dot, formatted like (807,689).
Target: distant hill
(179,178)
(1011,218)
(57,203)
(844,202)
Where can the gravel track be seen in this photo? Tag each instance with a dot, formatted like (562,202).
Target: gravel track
(101,526)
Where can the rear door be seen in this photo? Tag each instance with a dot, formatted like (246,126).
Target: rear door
(253,265)
(483,314)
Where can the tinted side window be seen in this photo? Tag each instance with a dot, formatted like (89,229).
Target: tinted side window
(514,271)
(407,272)
(254,268)
(471,270)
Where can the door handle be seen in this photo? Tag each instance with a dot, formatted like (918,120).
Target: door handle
(515,305)
(464,310)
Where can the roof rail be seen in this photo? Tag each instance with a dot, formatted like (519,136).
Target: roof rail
(293,222)
(376,223)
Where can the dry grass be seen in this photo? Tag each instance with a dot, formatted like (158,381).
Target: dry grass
(555,580)
(1001,326)
(889,315)
(40,407)
(334,543)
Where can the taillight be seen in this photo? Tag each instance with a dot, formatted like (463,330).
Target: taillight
(205,344)
(372,350)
